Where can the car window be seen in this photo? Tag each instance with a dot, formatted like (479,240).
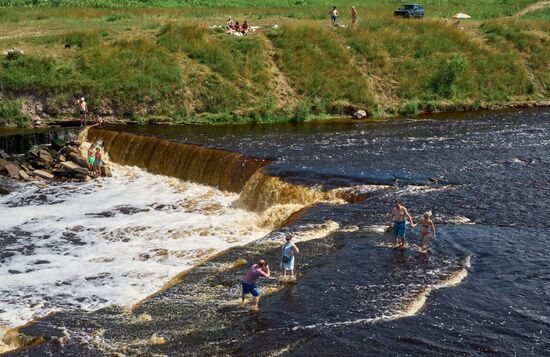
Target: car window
(408,7)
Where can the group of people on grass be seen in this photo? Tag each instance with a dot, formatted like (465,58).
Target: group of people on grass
(398,221)
(94,160)
(232,28)
(334,16)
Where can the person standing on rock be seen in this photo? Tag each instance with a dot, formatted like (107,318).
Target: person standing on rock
(353,16)
(97,162)
(83,108)
(333,16)
(91,157)
(399,216)
(248,283)
(288,252)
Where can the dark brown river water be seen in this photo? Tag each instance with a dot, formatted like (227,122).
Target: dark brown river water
(483,288)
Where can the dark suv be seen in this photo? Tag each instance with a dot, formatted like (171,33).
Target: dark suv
(412,10)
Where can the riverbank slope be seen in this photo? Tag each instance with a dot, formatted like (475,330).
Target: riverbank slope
(177,65)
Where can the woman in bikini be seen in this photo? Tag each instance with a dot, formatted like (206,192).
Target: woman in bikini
(426,223)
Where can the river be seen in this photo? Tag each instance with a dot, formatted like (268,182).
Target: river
(483,287)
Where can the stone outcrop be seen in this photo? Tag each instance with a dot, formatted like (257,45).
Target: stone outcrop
(45,163)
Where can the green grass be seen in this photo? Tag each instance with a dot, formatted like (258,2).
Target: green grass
(543,14)
(10,114)
(165,64)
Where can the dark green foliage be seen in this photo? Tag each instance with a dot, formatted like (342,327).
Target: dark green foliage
(444,81)
(10,114)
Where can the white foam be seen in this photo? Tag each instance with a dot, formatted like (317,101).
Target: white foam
(93,260)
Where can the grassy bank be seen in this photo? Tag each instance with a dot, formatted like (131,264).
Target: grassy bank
(168,65)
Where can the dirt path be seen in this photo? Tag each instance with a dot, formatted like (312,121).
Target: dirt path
(532,8)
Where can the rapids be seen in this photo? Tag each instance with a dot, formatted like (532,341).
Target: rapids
(483,287)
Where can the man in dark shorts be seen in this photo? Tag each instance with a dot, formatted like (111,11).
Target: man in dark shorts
(248,283)
(83,108)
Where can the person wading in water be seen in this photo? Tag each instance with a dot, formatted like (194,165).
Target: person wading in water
(256,271)
(399,216)
(288,252)
(426,223)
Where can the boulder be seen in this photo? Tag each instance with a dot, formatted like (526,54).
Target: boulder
(360,114)
(24,175)
(82,177)
(106,171)
(62,158)
(43,174)
(10,168)
(3,155)
(74,155)
(71,166)
(62,172)
(45,156)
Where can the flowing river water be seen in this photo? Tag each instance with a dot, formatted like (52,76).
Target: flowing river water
(96,266)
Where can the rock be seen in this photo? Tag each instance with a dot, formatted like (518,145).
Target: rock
(3,155)
(74,155)
(62,158)
(24,175)
(106,171)
(360,114)
(10,168)
(82,177)
(43,174)
(61,172)
(69,165)
(45,156)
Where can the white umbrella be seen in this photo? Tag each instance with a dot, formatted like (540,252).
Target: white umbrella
(461,16)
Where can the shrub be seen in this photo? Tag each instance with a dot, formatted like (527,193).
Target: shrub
(10,114)
(444,81)
(302,111)
(410,108)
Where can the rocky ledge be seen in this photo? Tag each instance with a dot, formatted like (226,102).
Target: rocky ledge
(60,162)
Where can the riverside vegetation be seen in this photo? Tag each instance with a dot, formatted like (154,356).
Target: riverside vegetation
(166,64)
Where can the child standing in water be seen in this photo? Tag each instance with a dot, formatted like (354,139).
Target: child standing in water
(91,157)
(287,258)
(97,162)
(426,223)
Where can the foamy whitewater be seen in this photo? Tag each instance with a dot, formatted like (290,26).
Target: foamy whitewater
(109,241)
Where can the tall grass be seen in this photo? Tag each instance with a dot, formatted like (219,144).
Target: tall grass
(10,114)
(429,60)
(320,68)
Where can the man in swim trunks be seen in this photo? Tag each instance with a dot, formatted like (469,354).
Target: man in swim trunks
(333,16)
(91,157)
(399,216)
(83,108)
(248,283)
(97,162)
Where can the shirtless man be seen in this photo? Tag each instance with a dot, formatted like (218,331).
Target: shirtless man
(333,16)
(83,108)
(399,216)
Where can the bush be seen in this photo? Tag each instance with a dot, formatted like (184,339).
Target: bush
(410,108)
(10,114)
(302,111)
(444,81)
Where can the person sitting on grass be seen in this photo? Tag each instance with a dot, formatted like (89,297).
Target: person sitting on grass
(248,283)
(229,25)
(244,28)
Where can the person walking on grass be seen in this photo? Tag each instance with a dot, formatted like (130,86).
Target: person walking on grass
(426,223)
(399,216)
(288,252)
(83,109)
(248,283)
(353,16)
(333,16)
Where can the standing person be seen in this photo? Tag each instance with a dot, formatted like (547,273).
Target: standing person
(91,157)
(353,16)
(97,162)
(426,223)
(333,16)
(399,216)
(288,252)
(83,108)
(248,283)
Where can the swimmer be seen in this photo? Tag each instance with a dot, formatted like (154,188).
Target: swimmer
(399,216)
(248,283)
(426,223)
